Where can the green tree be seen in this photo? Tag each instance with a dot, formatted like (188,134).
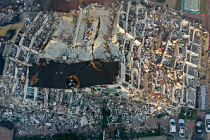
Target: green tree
(105,112)
(66,136)
(187,114)
(57,136)
(104,123)
(122,132)
(81,137)
(159,130)
(93,113)
(133,134)
(119,120)
(100,137)
(72,136)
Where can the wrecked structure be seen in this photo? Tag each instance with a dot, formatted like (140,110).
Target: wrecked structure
(81,75)
(150,57)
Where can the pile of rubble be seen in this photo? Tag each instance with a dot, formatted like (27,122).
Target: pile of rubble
(159,56)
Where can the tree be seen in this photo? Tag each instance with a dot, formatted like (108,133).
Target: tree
(93,113)
(81,137)
(122,132)
(57,136)
(100,136)
(187,114)
(104,123)
(119,120)
(66,136)
(105,112)
(72,136)
(159,130)
(133,134)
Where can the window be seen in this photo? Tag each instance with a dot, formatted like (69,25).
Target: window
(173,123)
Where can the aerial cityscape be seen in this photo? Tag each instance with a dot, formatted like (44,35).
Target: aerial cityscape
(104,69)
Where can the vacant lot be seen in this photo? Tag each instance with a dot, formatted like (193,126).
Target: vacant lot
(202,6)
(178,5)
(171,3)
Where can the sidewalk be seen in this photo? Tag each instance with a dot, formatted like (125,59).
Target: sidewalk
(154,138)
(6,134)
(171,3)
(152,122)
(145,138)
(193,16)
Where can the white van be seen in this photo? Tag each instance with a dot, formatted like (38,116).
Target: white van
(172,126)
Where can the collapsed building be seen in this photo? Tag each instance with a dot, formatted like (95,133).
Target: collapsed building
(80,75)
(146,56)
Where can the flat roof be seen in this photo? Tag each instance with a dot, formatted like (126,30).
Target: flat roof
(83,37)
(56,75)
(192,6)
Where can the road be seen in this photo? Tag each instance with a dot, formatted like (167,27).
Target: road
(203,136)
(190,131)
(188,134)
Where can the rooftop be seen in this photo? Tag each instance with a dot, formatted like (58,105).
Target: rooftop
(192,6)
(83,37)
(89,73)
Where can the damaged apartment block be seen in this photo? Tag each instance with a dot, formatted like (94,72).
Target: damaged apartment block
(104,55)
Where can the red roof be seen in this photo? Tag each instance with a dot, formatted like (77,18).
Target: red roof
(161,50)
(142,88)
(66,111)
(153,93)
(57,108)
(160,82)
(209,41)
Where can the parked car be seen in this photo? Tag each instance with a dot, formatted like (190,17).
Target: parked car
(199,128)
(181,128)
(207,123)
(7,124)
(172,126)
